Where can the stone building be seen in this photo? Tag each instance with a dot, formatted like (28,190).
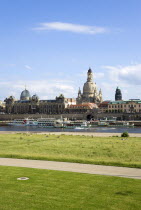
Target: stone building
(26,104)
(56,106)
(90,93)
(2,107)
(81,108)
(32,105)
(129,106)
(103,107)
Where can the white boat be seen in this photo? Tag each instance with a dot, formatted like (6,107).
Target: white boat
(102,123)
(76,124)
(79,128)
(23,122)
(122,124)
(30,122)
(17,122)
(70,124)
(46,122)
(59,124)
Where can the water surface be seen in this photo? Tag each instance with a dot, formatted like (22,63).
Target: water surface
(95,129)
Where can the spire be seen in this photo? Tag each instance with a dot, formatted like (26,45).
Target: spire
(79,91)
(25,87)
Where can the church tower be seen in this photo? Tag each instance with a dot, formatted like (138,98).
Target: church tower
(90,93)
(118,95)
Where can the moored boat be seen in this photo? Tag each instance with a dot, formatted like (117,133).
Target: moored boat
(23,122)
(46,122)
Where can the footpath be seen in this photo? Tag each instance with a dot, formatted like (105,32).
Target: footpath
(125,172)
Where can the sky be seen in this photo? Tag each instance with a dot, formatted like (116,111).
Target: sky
(48,46)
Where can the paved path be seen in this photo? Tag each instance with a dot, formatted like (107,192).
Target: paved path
(74,167)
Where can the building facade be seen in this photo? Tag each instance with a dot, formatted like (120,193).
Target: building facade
(32,105)
(81,108)
(129,106)
(2,107)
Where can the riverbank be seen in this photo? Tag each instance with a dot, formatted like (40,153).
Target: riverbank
(95,134)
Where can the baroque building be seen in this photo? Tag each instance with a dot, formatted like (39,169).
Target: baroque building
(28,104)
(32,105)
(90,93)
(129,106)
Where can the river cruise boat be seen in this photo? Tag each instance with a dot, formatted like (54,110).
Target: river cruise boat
(59,124)
(110,123)
(70,124)
(77,124)
(121,124)
(99,123)
(23,122)
(46,122)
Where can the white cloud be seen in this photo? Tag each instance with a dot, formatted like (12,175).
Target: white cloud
(76,28)
(44,89)
(99,75)
(128,78)
(128,74)
(28,67)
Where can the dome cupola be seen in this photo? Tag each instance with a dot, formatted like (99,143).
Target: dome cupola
(89,70)
(35,98)
(89,75)
(25,95)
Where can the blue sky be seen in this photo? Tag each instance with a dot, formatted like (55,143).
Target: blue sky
(48,45)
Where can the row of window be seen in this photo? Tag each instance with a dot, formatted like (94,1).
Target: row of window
(123,106)
(125,111)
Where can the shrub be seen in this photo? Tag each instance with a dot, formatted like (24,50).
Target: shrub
(125,134)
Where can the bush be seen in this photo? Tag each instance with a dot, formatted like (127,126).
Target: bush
(125,134)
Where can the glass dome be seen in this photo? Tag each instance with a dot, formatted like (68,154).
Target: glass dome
(25,95)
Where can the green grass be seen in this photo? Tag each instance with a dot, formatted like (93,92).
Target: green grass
(66,190)
(82,149)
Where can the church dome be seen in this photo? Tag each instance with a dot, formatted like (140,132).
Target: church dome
(88,87)
(25,95)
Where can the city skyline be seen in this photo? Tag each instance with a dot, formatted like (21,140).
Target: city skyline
(49,46)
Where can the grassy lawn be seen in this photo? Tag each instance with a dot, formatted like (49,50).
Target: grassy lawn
(66,190)
(82,149)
